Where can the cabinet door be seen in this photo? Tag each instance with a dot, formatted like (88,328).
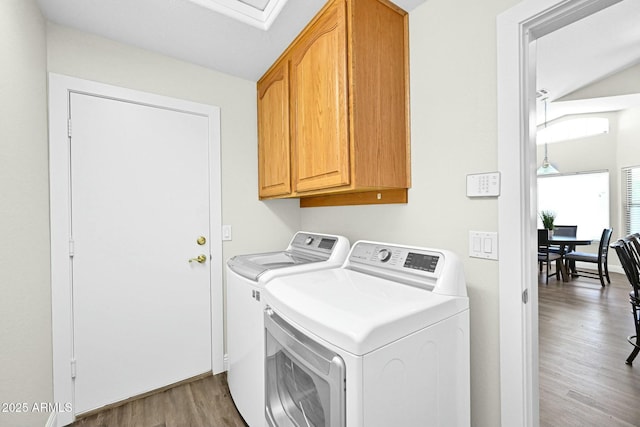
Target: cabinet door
(274,171)
(319,111)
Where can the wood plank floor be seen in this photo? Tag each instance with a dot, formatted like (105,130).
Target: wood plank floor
(583,331)
(583,378)
(202,403)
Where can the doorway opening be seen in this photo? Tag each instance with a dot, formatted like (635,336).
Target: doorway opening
(518,30)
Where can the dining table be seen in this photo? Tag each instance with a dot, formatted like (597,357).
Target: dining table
(568,244)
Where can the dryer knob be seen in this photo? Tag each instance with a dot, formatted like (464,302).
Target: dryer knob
(384,255)
(309,240)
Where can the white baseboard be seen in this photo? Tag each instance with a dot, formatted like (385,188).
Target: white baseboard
(613,268)
(616,269)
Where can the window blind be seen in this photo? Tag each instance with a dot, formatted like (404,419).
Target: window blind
(631,189)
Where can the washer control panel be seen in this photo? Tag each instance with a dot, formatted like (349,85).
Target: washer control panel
(316,244)
(396,259)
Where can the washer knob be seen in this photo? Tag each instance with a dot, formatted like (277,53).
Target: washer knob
(309,240)
(384,255)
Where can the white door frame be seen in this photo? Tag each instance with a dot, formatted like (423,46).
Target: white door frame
(518,28)
(60,88)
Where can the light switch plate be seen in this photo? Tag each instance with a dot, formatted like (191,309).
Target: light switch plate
(483,244)
(226,232)
(483,184)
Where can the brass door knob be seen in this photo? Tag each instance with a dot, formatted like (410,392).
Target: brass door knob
(200,258)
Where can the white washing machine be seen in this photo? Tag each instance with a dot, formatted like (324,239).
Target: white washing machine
(247,276)
(381,341)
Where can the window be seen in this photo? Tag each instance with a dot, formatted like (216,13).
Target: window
(259,13)
(572,129)
(580,199)
(631,198)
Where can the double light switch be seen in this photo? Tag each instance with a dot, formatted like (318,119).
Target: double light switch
(483,244)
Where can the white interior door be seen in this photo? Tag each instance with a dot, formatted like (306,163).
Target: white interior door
(139,202)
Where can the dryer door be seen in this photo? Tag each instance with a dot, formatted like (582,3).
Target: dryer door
(305,382)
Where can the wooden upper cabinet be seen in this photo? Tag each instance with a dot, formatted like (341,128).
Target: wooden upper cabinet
(379,97)
(319,109)
(274,168)
(338,99)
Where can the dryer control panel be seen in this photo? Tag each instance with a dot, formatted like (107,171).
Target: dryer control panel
(397,259)
(422,267)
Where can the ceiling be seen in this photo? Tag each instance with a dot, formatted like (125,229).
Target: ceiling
(586,52)
(568,59)
(188,31)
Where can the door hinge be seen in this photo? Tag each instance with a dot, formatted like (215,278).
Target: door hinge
(71,248)
(73,368)
(525,296)
(69,128)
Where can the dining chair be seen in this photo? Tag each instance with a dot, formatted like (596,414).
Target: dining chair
(546,257)
(633,243)
(599,258)
(565,231)
(629,256)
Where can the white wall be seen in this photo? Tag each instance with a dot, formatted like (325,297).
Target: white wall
(628,153)
(25,297)
(453,131)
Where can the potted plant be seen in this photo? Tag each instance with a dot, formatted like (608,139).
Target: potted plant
(548,217)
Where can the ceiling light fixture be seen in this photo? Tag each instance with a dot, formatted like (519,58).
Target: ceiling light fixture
(546,168)
(258,13)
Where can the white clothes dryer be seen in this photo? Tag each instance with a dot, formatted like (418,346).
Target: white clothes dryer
(247,276)
(381,341)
